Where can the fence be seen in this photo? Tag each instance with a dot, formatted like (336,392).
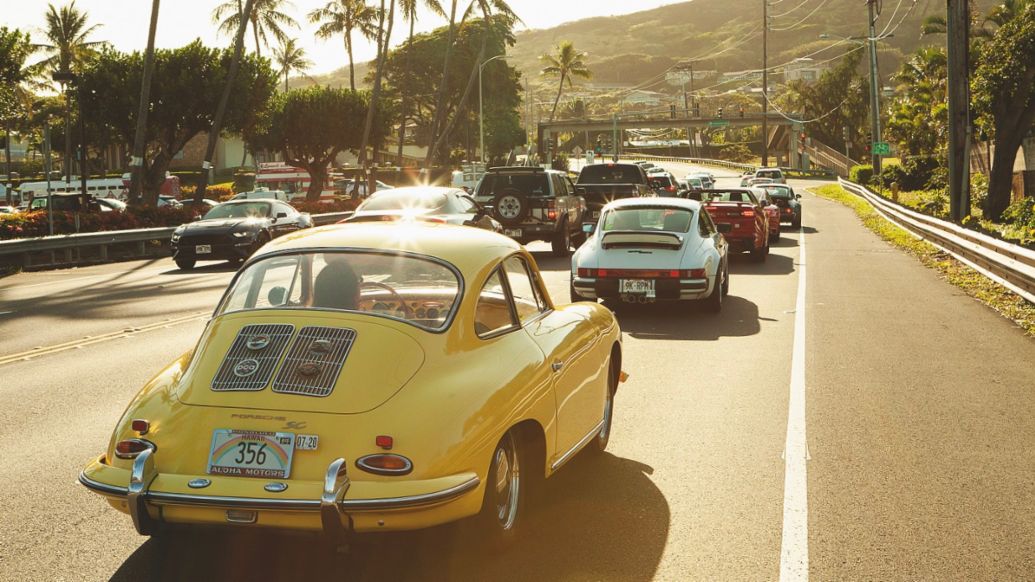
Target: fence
(1010,265)
(68,249)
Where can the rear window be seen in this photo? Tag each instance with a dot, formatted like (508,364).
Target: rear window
(525,183)
(731,197)
(610,174)
(393,201)
(660,181)
(648,219)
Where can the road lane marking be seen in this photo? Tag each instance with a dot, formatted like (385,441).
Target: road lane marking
(794,546)
(86,341)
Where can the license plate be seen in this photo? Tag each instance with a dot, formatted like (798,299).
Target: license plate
(306,442)
(246,453)
(514,232)
(636,286)
(203,249)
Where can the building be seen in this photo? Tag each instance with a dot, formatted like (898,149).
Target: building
(641,97)
(804,69)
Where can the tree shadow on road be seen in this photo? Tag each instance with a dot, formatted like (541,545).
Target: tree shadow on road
(598,518)
(682,321)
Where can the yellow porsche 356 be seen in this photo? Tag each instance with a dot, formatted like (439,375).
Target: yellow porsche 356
(374,377)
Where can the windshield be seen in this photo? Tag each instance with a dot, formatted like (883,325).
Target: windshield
(533,184)
(648,219)
(731,197)
(417,290)
(243,210)
(610,174)
(403,201)
(660,181)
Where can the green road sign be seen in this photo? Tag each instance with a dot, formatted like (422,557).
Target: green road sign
(881,148)
(718,123)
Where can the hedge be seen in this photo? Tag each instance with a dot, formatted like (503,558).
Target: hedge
(34,224)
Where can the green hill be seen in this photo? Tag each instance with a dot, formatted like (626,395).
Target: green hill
(721,35)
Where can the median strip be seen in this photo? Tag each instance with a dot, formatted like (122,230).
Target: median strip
(90,340)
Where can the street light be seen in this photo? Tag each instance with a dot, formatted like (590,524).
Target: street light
(67,78)
(481,117)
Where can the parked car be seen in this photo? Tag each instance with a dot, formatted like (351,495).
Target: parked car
(424,203)
(8,210)
(110,205)
(789,203)
(747,220)
(600,184)
(347,185)
(369,378)
(234,230)
(775,174)
(534,204)
(170,201)
(644,250)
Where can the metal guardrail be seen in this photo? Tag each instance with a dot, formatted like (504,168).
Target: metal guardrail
(699,161)
(67,244)
(1010,265)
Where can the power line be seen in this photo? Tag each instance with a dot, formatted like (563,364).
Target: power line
(784,115)
(804,2)
(807,16)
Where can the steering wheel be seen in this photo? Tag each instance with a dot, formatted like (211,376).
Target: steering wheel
(402,302)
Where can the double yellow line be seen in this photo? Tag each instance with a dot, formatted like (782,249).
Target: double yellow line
(96,339)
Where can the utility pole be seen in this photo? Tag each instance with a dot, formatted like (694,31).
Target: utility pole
(765,83)
(49,169)
(958,23)
(136,162)
(871,6)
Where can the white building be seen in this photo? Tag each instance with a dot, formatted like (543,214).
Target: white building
(804,69)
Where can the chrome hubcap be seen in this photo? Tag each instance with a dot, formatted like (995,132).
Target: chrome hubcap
(508,482)
(509,207)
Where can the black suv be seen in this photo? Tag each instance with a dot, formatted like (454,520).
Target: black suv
(534,204)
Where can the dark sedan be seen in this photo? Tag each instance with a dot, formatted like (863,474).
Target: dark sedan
(232,231)
(789,202)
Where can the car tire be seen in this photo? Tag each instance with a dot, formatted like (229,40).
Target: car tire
(505,494)
(726,280)
(758,254)
(599,444)
(713,302)
(510,207)
(561,241)
(185,264)
(796,223)
(774,237)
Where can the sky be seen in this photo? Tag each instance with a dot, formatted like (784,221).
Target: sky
(124,23)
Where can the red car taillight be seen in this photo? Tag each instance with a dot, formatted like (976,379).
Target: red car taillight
(671,188)
(551,210)
(747,213)
(130,448)
(642,273)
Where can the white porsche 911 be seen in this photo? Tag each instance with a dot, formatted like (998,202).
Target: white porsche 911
(652,249)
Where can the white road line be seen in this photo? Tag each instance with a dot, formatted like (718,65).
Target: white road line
(794,548)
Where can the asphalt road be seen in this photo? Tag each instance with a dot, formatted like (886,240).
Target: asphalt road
(917,407)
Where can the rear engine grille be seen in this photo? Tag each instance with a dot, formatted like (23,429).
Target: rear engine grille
(249,364)
(315,361)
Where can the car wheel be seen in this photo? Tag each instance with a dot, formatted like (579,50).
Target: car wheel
(503,503)
(726,280)
(713,302)
(604,436)
(562,241)
(796,223)
(185,264)
(510,207)
(758,254)
(259,242)
(774,237)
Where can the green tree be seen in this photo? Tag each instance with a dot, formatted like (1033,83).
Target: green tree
(1004,87)
(384,35)
(311,126)
(409,14)
(345,17)
(16,76)
(268,20)
(919,117)
(565,63)
(187,86)
(291,57)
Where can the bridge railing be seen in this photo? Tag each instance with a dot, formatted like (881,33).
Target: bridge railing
(697,161)
(1012,266)
(68,249)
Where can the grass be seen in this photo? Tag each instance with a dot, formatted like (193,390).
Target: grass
(1002,300)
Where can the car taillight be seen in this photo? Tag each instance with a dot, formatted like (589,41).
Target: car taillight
(695,274)
(384,441)
(140,426)
(385,464)
(747,213)
(551,210)
(671,188)
(587,272)
(639,273)
(130,448)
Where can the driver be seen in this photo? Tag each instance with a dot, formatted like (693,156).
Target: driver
(337,285)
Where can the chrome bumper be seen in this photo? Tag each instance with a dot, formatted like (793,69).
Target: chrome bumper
(332,505)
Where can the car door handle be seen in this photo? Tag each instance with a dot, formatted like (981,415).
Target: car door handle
(557,366)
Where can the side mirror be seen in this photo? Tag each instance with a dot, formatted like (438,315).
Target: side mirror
(196,218)
(724,227)
(797,196)
(282,215)
(276,295)
(588,227)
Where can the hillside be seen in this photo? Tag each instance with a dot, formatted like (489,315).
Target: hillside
(722,35)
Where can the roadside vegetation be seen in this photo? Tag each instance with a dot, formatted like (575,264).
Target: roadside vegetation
(1005,302)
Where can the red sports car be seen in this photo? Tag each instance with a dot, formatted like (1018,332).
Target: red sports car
(749,223)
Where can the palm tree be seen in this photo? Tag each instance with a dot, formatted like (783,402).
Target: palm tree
(291,57)
(66,31)
(268,20)
(345,17)
(565,63)
(409,14)
(383,37)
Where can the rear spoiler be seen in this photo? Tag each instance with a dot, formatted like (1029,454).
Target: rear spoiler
(639,239)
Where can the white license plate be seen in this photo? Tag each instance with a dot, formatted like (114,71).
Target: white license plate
(512,232)
(246,453)
(306,442)
(203,249)
(636,286)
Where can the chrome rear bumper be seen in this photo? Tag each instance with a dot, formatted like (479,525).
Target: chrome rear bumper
(332,506)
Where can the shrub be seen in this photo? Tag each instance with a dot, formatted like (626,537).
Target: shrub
(304,205)
(861,174)
(734,152)
(33,224)
(217,192)
(561,162)
(1021,213)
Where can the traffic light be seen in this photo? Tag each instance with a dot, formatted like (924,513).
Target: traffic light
(742,111)
(719,113)
(672,111)
(844,134)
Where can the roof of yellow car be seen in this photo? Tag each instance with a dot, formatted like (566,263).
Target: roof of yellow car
(464,246)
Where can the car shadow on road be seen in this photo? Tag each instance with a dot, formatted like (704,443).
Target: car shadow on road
(681,321)
(599,518)
(220,267)
(774,264)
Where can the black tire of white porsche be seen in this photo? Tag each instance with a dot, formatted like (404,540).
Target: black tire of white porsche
(713,303)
